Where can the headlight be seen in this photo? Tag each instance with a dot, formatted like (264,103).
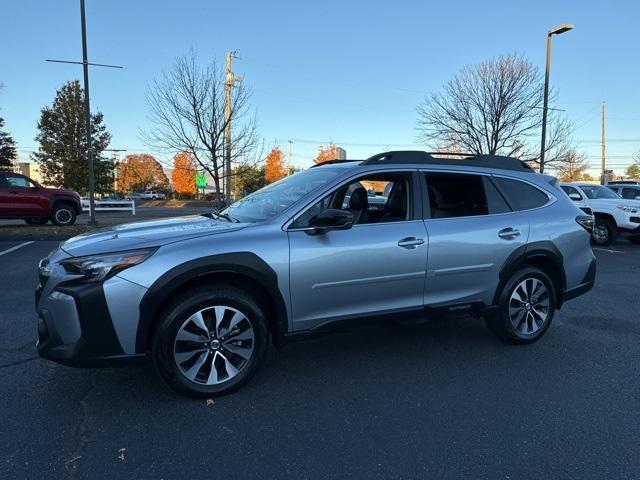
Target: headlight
(628,208)
(95,268)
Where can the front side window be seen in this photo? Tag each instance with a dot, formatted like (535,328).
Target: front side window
(571,190)
(379,198)
(595,192)
(521,196)
(274,198)
(16,181)
(462,195)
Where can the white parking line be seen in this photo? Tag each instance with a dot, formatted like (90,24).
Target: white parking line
(608,250)
(9,250)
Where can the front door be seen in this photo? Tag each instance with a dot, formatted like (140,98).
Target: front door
(18,196)
(375,267)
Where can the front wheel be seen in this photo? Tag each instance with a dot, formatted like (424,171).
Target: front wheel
(604,232)
(63,215)
(210,341)
(526,307)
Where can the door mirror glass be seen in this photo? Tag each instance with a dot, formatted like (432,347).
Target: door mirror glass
(575,196)
(330,219)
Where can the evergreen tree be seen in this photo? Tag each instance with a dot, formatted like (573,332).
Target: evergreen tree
(7,148)
(62,139)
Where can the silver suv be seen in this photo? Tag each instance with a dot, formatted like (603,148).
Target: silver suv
(204,296)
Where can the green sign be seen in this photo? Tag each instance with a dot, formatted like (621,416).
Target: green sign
(201,180)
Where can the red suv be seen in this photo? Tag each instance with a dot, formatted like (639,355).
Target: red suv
(21,197)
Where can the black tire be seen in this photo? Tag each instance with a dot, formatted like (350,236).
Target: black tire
(36,220)
(500,323)
(635,239)
(63,215)
(172,321)
(604,231)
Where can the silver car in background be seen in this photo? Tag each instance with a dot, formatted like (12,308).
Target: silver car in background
(204,296)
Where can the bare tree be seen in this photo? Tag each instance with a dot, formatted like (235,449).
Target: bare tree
(187,107)
(494,108)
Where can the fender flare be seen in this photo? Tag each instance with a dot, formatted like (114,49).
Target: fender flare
(544,248)
(243,263)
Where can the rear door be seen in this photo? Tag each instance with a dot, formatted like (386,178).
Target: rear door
(472,232)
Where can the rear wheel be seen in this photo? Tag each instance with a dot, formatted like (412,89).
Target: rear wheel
(63,215)
(36,220)
(210,341)
(604,231)
(526,307)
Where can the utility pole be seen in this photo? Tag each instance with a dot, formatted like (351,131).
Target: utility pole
(230,81)
(289,158)
(87,111)
(87,118)
(604,140)
(116,166)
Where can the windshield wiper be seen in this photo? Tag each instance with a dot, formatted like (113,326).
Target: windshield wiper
(226,216)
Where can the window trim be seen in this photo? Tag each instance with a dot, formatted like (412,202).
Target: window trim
(551,199)
(416,207)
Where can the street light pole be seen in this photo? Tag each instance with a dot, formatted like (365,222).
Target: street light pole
(565,27)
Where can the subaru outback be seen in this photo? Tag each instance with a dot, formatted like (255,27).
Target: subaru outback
(204,296)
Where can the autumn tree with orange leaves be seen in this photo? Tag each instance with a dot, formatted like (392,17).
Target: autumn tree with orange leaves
(138,173)
(183,175)
(274,168)
(330,152)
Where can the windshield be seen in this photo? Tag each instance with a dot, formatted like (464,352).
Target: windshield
(595,192)
(273,199)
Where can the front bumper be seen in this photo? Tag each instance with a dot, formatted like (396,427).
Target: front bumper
(75,327)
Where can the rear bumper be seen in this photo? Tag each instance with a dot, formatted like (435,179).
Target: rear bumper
(587,283)
(75,328)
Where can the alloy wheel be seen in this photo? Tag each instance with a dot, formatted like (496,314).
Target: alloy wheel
(213,345)
(63,216)
(529,306)
(600,233)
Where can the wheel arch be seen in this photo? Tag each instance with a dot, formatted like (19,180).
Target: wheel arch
(543,255)
(243,270)
(55,201)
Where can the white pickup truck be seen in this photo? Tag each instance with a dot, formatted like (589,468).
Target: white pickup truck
(613,215)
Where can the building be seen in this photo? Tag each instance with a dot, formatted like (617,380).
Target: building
(31,170)
(341,153)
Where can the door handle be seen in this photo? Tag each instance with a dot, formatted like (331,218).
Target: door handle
(508,233)
(410,242)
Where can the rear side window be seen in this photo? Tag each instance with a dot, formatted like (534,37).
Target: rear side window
(520,195)
(462,195)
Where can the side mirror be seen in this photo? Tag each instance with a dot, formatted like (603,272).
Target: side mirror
(575,196)
(330,219)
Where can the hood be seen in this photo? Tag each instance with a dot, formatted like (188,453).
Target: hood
(60,191)
(151,233)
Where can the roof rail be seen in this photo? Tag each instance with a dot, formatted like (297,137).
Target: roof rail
(417,156)
(329,162)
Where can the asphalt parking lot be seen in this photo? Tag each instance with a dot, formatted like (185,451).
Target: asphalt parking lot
(443,400)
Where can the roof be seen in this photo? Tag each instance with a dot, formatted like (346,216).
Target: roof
(404,157)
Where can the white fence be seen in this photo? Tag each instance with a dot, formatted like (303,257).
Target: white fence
(111,206)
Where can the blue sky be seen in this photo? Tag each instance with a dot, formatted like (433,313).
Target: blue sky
(348,71)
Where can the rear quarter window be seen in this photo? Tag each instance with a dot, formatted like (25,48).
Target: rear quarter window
(520,195)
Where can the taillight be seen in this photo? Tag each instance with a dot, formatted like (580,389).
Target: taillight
(585,221)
